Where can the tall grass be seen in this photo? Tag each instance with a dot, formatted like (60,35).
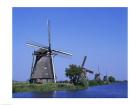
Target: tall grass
(26,87)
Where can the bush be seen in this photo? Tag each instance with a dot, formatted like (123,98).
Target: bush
(111,79)
(95,83)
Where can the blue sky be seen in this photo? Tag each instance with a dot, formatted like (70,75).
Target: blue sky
(98,33)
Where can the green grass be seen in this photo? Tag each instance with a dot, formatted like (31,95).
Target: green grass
(95,83)
(26,87)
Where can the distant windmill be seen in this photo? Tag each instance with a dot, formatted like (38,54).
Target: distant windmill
(105,78)
(42,67)
(98,75)
(85,70)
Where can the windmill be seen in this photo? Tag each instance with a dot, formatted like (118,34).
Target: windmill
(98,75)
(85,70)
(42,70)
(105,78)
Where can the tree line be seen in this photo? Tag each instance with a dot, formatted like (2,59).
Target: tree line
(77,76)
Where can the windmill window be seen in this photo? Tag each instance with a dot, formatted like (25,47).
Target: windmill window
(45,68)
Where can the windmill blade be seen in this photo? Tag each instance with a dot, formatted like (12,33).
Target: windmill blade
(89,71)
(61,52)
(84,61)
(37,45)
(98,69)
(49,34)
(106,73)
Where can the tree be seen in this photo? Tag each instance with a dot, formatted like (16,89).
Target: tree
(74,73)
(111,79)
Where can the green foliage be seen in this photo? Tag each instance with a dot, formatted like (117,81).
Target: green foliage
(73,73)
(111,79)
(95,83)
(83,82)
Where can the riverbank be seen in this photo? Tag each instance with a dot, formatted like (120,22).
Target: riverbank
(113,90)
(27,87)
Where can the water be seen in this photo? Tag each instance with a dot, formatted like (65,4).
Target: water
(116,90)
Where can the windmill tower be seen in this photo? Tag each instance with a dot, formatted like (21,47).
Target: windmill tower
(105,78)
(97,75)
(42,66)
(85,70)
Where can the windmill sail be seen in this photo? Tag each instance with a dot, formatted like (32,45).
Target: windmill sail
(61,52)
(49,34)
(89,71)
(85,70)
(37,45)
(84,61)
